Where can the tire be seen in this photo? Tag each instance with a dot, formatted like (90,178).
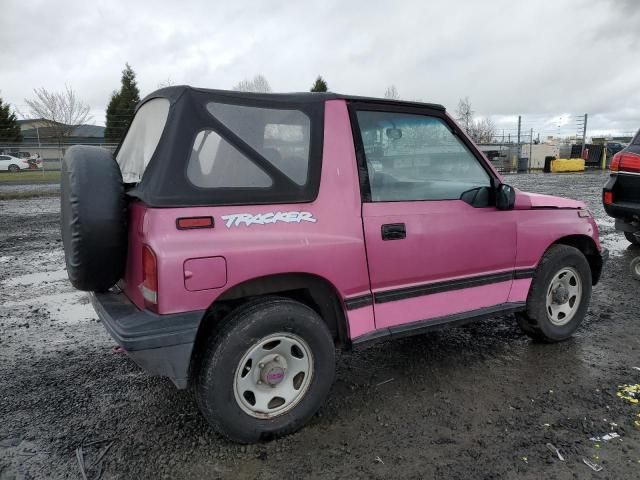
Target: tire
(632,238)
(93,218)
(561,265)
(14,168)
(224,364)
(635,268)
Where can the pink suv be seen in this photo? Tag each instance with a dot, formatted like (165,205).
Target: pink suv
(236,239)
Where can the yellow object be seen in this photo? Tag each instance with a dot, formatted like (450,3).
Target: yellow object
(567,165)
(629,393)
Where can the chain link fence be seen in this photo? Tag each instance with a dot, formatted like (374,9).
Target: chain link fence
(45,156)
(39,163)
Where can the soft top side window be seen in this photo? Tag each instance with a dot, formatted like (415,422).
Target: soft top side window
(411,157)
(215,163)
(281,136)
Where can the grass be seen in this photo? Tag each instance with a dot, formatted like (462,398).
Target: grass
(36,176)
(28,194)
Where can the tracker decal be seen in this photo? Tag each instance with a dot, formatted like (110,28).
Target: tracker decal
(249,219)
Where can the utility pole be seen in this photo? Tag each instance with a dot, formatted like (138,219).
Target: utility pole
(518,155)
(584,136)
(530,148)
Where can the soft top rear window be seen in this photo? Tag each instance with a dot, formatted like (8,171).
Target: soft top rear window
(142,139)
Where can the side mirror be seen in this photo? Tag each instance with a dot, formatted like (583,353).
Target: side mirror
(505,197)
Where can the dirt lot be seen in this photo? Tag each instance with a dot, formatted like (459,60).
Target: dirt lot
(480,401)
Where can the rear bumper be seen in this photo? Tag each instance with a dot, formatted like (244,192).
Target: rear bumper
(160,344)
(626,198)
(623,210)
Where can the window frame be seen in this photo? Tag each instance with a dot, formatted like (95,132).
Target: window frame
(363,172)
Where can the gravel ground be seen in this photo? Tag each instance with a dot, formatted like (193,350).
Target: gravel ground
(479,401)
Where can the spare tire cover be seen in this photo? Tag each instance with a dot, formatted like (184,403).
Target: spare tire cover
(93,218)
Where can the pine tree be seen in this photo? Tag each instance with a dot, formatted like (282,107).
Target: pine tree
(122,106)
(110,132)
(320,85)
(9,128)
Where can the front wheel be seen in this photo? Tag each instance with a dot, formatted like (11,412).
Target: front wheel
(267,371)
(635,268)
(14,168)
(559,295)
(631,237)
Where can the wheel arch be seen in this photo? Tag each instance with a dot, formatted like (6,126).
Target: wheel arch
(588,247)
(312,290)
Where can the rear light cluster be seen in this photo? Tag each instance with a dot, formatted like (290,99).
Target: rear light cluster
(607,198)
(625,162)
(149,278)
(186,223)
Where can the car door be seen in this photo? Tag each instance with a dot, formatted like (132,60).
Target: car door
(437,247)
(4,163)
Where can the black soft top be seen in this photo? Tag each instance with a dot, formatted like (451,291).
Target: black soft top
(165,181)
(174,92)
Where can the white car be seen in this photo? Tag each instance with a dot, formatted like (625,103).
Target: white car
(13,164)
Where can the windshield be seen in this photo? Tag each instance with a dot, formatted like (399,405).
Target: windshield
(142,139)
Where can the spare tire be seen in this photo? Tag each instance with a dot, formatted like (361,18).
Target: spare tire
(93,218)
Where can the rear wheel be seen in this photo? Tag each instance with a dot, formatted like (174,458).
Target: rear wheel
(632,238)
(559,296)
(267,371)
(14,168)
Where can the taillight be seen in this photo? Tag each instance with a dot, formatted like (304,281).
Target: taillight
(608,198)
(149,278)
(625,162)
(186,223)
(615,162)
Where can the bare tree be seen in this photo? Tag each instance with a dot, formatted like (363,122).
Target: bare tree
(258,84)
(166,83)
(391,93)
(464,114)
(483,130)
(61,111)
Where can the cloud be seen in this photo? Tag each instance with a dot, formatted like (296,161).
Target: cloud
(510,58)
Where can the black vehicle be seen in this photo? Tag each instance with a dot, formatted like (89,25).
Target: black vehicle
(613,148)
(621,194)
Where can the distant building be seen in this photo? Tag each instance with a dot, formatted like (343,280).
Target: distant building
(34,130)
(39,137)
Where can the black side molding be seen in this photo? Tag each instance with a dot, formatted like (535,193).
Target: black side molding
(436,287)
(358,302)
(520,274)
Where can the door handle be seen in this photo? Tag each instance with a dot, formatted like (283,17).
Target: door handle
(394,231)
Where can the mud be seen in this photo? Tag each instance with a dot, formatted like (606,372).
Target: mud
(480,401)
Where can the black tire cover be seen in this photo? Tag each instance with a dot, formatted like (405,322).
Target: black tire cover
(93,218)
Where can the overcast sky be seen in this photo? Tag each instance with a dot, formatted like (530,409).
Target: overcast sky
(545,60)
